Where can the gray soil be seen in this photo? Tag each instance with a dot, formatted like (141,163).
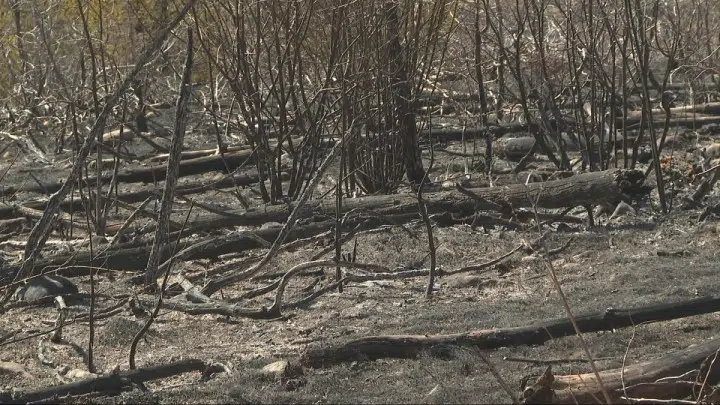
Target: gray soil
(613,264)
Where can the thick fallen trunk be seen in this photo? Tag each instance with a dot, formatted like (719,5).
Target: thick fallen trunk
(111,383)
(156,173)
(134,258)
(529,176)
(687,120)
(639,379)
(684,111)
(592,188)
(192,154)
(458,134)
(410,346)
(583,189)
(214,308)
(680,116)
(230,161)
(240,180)
(516,148)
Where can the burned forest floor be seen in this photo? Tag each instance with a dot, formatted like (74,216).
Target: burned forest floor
(628,261)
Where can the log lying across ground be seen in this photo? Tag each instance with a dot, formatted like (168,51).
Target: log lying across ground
(205,164)
(244,179)
(686,116)
(690,121)
(410,346)
(683,111)
(134,258)
(680,116)
(583,189)
(516,148)
(639,378)
(594,188)
(111,383)
(458,134)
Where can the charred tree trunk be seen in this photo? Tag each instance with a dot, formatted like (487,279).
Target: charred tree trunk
(403,98)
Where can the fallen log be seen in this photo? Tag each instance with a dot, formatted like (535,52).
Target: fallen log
(688,121)
(134,258)
(528,176)
(111,383)
(124,257)
(155,173)
(240,180)
(683,111)
(516,148)
(188,167)
(192,154)
(458,134)
(410,346)
(213,308)
(583,189)
(594,188)
(247,178)
(638,379)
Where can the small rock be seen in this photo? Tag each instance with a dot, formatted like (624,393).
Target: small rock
(712,151)
(78,374)
(283,370)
